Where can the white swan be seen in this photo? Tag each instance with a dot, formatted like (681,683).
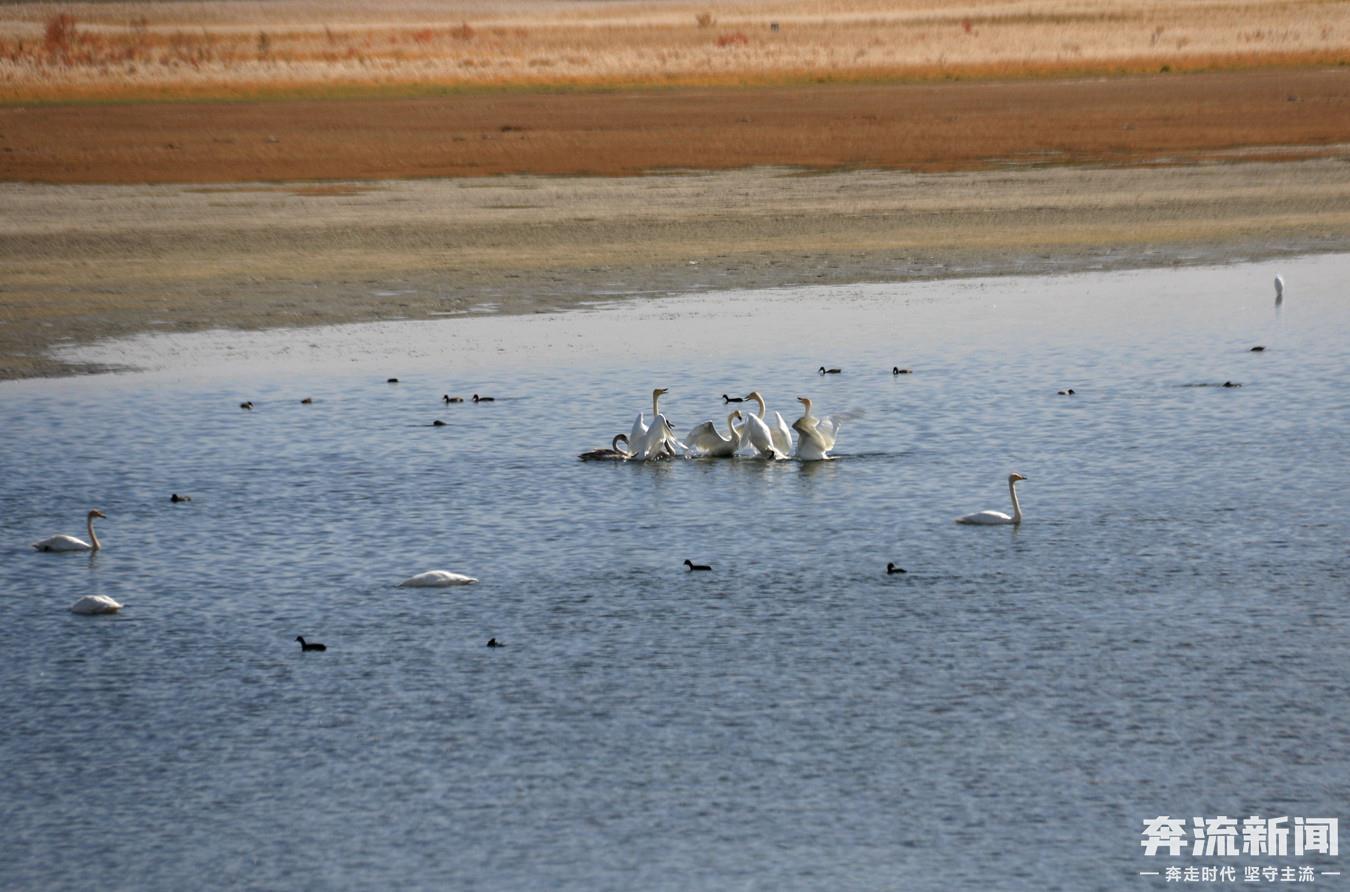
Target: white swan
(817,435)
(1279,290)
(70,543)
(613,453)
(437,579)
(993,517)
(658,442)
(640,423)
(778,431)
(91,604)
(706,441)
(760,436)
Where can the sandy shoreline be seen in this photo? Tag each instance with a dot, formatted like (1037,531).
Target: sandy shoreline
(182,216)
(90,262)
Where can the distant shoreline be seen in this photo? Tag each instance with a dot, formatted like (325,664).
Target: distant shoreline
(79,264)
(139,217)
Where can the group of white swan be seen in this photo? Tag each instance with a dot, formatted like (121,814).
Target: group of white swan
(89,604)
(92,604)
(750,433)
(815,438)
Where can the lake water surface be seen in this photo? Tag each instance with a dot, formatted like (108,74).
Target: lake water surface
(1166,634)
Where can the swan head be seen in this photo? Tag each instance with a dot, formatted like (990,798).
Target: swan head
(806,402)
(1013,478)
(96,513)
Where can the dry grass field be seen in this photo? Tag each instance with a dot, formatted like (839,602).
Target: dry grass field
(332,47)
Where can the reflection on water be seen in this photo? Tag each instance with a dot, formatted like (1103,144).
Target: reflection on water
(1164,635)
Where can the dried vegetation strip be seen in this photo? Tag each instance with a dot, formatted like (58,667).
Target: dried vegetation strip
(124,50)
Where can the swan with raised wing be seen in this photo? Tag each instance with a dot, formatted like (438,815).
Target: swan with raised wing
(817,436)
(658,442)
(770,442)
(640,423)
(70,543)
(706,442)
(998,517)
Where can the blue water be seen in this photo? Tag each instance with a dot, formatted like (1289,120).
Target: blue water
(1167,632)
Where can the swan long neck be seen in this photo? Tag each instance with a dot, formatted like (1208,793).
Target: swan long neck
(614,444)
(806,407)
(94,544)
(759,400)
(1017,506)
(656,401)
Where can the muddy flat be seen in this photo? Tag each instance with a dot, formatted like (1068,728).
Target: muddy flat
(925,127)
(80,263)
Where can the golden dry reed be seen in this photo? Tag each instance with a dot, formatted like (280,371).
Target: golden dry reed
(307,47)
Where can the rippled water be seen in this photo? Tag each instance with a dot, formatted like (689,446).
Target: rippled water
(1165,634)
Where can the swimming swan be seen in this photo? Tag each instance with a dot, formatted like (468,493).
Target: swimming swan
(817,435)
(70,543)
(309,645)
(640,423)
(93,604)
(995,517)
(437,579)
(658,442)
(1279,290)
(770,442)
(613,453)
(706,441)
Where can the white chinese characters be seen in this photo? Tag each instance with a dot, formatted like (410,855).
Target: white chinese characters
(1222,837)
